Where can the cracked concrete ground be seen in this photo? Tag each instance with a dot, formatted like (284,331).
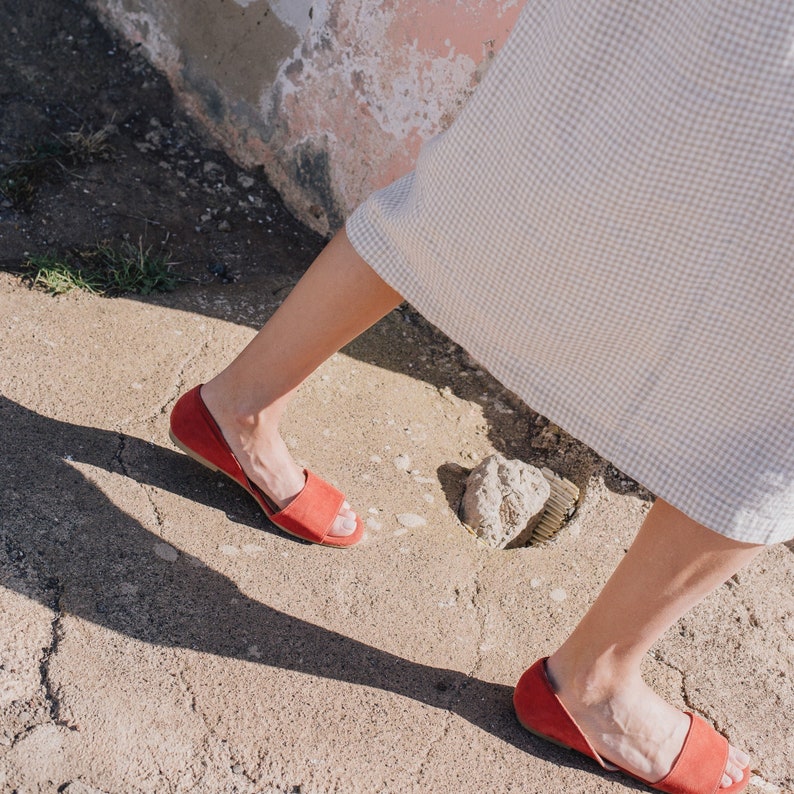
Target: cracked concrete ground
(157,635)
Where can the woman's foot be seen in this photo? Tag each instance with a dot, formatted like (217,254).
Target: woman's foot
(627,723)
(256,443)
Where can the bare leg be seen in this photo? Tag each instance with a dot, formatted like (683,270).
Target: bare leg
(673,563)
(338,297)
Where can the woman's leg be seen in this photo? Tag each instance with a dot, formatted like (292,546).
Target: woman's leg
(673,563)
(338,297)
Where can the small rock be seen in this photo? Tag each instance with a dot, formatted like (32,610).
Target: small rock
(402,462)
(166,552)
(224,226)
(410,520)
(504,500)
(558,594)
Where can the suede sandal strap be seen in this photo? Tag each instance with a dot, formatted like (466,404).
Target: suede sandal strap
(700,764)
(311,514)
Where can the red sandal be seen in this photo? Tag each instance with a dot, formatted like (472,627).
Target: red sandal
(698,769)
(308,516)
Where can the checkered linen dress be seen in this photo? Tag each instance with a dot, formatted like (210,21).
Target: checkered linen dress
(609,228)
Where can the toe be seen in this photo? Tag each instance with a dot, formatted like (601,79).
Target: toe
(345,523)
(735,768)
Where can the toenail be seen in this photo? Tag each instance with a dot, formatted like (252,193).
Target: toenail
(349,524)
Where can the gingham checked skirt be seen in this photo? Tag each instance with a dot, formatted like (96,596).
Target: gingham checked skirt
(608,227)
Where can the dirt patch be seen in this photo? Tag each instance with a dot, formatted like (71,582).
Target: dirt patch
(157,181)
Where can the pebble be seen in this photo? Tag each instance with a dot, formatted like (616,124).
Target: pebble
(410,520)
(558,594)
(373,524)
(402,462)
(166,552)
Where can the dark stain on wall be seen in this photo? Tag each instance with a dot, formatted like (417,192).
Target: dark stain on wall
(310,169)
(210,95)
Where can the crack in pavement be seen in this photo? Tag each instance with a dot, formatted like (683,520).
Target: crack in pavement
(118,457)
(756,778)
(178,385)
(659,657)
(56,635)
(179,378)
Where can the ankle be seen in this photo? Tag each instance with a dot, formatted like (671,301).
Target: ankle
(236,413)
(591,679)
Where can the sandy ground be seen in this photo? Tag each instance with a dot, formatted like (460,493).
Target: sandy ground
(158,635)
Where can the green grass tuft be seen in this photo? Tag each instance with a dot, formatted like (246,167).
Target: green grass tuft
(104,269)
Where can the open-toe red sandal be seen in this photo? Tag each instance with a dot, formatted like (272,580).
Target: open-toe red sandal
(698,769)
(308,516)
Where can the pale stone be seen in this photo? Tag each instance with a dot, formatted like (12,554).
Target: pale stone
(165,551)
(410,520)
(504,500)
(402,462)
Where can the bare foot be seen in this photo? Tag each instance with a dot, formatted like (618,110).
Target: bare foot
(629,725)
(263,455)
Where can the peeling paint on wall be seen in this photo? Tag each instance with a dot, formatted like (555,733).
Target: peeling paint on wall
(333,97)
(300,14)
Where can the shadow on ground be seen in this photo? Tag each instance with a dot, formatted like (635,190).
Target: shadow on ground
(70,547)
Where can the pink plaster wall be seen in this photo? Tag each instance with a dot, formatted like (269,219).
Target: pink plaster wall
(332,97)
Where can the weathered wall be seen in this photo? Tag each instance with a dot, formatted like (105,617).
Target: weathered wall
(332,97)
